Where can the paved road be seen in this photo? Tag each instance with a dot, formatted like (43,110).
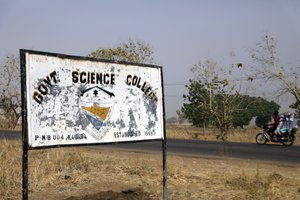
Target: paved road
(250,151)
(10,134)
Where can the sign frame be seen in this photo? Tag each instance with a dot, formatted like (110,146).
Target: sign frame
(25,121)
(34,94)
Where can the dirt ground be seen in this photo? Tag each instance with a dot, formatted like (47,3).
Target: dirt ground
(83,173)
(115,174)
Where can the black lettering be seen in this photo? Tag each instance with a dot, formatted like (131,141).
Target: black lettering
(82,77)
(53,76)
(112,79)
(134,80)
(75,77)
(38,97)
(144,87)
(48,81)
(88,77)
(105,79)
(138,83)
(43,89)
(148,90)
(153,96)
(99,78)
(93,78)
(128,80)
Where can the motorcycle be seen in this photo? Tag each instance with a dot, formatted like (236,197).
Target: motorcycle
(287,138)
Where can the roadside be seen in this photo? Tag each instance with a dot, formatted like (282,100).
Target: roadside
(179,131)
(84,173)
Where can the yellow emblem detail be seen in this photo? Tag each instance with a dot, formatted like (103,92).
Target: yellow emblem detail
(101,112)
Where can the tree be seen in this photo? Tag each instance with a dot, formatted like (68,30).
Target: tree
(268,67)
(243,117)
(10,99)
(211,97)
(249,107)
(196,109)
(254,107)
(132,51)
(264,111)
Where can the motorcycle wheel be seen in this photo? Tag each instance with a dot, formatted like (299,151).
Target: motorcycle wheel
(289,142)
(260,138)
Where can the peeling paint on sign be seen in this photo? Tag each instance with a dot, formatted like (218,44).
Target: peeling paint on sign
(78,101)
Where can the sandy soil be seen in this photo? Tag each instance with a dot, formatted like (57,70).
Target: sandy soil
(84,173)
(115,174)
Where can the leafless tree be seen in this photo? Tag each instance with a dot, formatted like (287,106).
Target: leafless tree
(268,67)
(10,99)
(223,98)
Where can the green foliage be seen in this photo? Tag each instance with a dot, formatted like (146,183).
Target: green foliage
(247,107)
(254,107)
(196,110)
(243,116)
(213,100)
(132,51)
(260,121)
(212,97)
(264,111)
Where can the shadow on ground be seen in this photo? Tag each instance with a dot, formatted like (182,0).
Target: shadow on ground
(132,194)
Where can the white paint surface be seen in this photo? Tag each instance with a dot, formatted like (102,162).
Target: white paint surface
(63,115)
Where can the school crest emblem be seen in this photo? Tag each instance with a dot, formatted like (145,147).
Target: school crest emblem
(96,104)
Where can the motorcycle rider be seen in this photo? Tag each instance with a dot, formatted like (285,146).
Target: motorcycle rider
(276,118)
(280,127)
(292,122)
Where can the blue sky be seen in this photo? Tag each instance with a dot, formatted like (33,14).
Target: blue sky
(180,32)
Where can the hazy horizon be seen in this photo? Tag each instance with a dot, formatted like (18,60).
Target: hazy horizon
(180,33)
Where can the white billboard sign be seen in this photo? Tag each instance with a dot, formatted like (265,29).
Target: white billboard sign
(75,100)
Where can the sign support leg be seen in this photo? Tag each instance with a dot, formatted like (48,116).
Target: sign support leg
(24,128)
(164,151)
(25,170)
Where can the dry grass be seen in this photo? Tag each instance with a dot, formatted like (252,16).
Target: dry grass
(180,131)
(10,169)
(64,172)
(185,131)
(191,132)
(262,186)
(46,168)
